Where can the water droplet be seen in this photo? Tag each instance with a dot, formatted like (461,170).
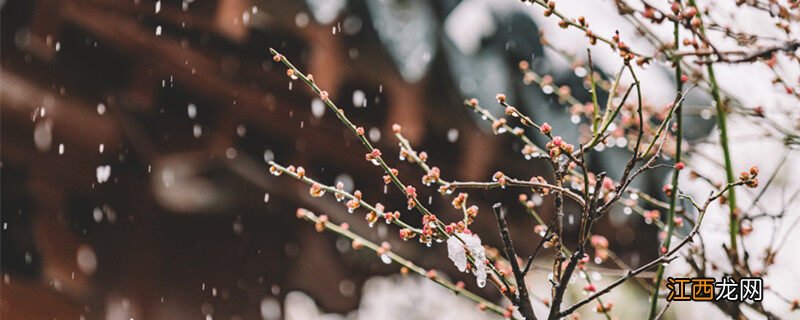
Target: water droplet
(97,214)
(452,135)
(359,99)
(238,227)
(385,258)
(101,109)
(43,135)
(158,6)
(158,31)
(269,155)
(230,153)
(266,197)
(270,309)
(374,134)
(481,283)
(60,148)
(191,110)
(317,108)
(87,260)
(103,173)
(627,210)
(301,19)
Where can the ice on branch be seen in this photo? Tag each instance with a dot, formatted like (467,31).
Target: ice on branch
(457,251)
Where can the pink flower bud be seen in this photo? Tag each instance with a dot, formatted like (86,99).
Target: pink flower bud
(546,128)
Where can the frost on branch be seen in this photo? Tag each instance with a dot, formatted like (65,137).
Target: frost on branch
(457,251)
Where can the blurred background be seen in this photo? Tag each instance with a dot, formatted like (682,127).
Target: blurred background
(135,136)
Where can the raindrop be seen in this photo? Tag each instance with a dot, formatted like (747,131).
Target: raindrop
(359,98)
(270,309)
(452,135)
(385,259)
(575,118)
(103,173)
(301,19)
(60,148)
(97,214)
(101,148)
(238,227)
(481,282)
(197,131)
(58,46)
(374,134)
(87,260)
(158,6)
(627,210)
(266,197)
(317,108)
(191,110)
(158,31)
(43,135)
(241,130)
(230,153)
(269,155)
(101,109)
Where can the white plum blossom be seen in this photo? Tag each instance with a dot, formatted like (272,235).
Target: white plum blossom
(457,251)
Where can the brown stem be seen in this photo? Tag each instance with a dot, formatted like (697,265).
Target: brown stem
(523,302)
